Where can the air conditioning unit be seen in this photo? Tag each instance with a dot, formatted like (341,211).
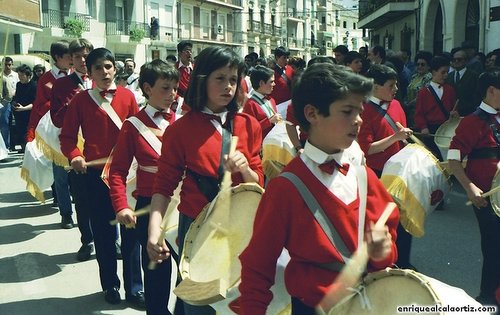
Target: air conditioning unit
(329,44)
(220,29)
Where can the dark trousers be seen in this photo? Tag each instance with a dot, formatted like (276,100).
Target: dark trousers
(157,281)
(131,258)
(489,228)
(78,188)
(299,308)
(184,224)
(101,212)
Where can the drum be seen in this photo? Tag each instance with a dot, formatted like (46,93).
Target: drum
(386,291)
(277,151)
(495,198)
(131,179)
(417,183)
(209,266)
(36,170)
(47,136)
(444,134)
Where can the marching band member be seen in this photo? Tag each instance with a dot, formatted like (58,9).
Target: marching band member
(380,137)
(477,137)
(260,105)
(197,145)
(63,92)
(158,82)
(99,113)
(328,102)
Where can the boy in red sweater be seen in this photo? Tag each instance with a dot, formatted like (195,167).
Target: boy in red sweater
(158,81)
(99,113)
(327,101)
(260,105)
(477,137)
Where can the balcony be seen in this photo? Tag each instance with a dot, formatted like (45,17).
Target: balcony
(210,34)
(55,19)
(230,4)
(376,13)
(271,30)
(119,31)
(295,44)
(254,27)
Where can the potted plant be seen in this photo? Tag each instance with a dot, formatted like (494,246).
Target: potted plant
(74,27)
(137,34)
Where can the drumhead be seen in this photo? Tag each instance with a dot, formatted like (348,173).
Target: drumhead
(386,290)
(445,133)
(211,250)
(495,198)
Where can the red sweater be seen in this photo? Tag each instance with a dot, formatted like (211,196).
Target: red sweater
(282,90)
(253,108)
(200,153)
(427,111)
(284,220)
(62,92)
(184,77)
(99,131)
(374,128)
(474,133)
(41,105)
(132,144)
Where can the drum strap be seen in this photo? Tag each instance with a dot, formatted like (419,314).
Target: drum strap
(386,116)
(492,122)
(439,102)
(322,219)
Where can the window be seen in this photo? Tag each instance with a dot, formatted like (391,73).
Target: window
(91,8)
(354,25)
(344,24)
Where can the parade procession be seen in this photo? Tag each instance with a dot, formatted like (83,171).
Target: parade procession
(231,157)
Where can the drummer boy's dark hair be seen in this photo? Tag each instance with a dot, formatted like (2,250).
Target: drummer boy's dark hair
(487,79)
(260,73)
(322,84)
(381,74)
(154,70)
(97,54)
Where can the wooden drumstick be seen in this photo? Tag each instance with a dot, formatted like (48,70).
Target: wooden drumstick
(97,162)
(137,213)
(412,137)
(486,194)
(353,269)
(161,238)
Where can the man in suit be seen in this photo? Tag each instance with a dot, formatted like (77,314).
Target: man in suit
(463,81)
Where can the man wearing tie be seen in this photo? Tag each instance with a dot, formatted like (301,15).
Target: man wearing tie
(463,81)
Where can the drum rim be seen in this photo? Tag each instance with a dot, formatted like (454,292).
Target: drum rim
(440,131)
(495,198)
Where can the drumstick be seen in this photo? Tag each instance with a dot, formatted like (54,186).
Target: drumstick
(353,269)
(137,213)
(486,194)
(412,137)
(161,238)
(97,162)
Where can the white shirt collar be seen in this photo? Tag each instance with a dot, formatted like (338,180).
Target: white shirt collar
(320,157)
(190,65)
(261,96)
(222,115)
(435,85)
(487,108)
(462,72)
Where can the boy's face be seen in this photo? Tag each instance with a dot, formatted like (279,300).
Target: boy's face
(64,62)
(337,131)
(356,65)
(387,91)
(440,75)
(103,73)
(23,78)
(266,87)
(162,93)
(79,60)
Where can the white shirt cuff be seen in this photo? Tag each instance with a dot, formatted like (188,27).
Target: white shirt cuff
(454,154)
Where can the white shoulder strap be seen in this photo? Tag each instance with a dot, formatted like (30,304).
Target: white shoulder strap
(150,137)
(363,192)
(106,106)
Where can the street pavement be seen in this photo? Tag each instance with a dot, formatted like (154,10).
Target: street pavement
(39,273)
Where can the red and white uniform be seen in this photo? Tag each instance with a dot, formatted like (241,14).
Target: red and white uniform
(375,127)
(284,220)
(282,91)
(41,105)
(86,112)
(201,154)
(132,144)
(427,111)
(255,109)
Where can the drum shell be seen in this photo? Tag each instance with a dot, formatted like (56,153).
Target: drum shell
(277,151)
(495,198)
(444,134)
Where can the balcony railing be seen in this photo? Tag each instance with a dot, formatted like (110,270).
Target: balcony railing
(56,18)
(264,28)
(367,7)
(165,34)
(295,43)
(210,33)
(123,27)
(254,26)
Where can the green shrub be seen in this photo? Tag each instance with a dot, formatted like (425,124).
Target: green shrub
(74,28)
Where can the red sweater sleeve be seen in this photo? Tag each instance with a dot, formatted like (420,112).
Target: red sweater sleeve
(42,102)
